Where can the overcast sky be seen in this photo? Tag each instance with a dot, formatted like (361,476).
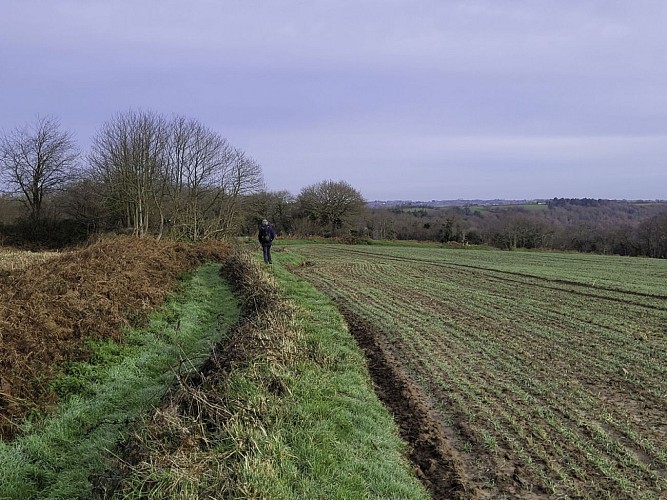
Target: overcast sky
(402,99)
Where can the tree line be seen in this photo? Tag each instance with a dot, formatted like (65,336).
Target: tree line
(173,176)
(145,174)
(583,225)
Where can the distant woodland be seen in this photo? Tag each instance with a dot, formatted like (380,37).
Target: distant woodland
(583,225)
(149,174)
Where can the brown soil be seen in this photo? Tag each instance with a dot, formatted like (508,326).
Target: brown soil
(48,310)
(436,462)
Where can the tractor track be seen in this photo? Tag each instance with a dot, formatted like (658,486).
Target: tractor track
(436,462)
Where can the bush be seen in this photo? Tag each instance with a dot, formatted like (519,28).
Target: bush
(43,235)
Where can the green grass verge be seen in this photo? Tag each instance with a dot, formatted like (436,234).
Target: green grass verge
(288,414)
(55,457)
(343,443)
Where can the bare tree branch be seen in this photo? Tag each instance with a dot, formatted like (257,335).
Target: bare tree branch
(37,160)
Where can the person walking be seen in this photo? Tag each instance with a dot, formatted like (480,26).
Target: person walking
(265,237)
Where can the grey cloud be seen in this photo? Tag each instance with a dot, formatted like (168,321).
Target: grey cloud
(401,97)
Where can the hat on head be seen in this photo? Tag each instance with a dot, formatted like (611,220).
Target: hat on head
(265,222)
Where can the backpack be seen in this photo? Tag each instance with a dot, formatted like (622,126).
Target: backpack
(266,234)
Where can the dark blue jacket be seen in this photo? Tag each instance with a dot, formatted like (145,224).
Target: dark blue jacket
(266,235)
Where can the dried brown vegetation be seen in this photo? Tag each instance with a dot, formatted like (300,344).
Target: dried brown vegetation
(48,309)
(13,260)
(181,439)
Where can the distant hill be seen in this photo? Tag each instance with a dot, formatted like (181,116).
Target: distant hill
(637,227)
(497,202)
(446,203)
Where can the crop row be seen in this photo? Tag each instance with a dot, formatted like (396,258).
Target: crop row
(629,276)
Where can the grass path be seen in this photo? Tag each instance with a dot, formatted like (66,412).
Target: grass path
(54,458)
(341,436)
(301,419)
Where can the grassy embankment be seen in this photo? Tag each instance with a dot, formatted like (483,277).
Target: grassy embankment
(297,415)
(347,433)
(283,409)
(98,399)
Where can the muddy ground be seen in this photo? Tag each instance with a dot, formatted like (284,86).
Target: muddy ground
(436,463)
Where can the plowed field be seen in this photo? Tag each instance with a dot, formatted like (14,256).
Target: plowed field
(545,374)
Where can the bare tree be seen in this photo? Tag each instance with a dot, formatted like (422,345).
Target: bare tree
(37,160)
(519,230)
(241,176)
(276,206)
(207,180)
(653,236)
(152,169)
(80,202)
(381,224)
(335,206)
(128,157)
(197,159)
